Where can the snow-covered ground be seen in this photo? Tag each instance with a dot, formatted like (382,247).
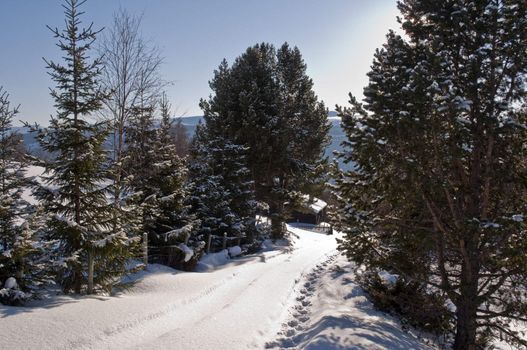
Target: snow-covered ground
(34,172)
(290,296)
(332,312)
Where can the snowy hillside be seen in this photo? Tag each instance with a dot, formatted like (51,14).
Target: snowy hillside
(290,296)
(336,133)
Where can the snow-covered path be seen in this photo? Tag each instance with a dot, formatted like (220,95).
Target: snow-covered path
(241,305)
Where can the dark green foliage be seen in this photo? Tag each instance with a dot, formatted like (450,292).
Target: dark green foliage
(19,251)
(438,192)
(411,301)
(73,194)
(158,176)
(222,195)
(265,103)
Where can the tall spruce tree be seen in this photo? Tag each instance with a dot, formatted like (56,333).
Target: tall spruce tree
(222,194)
(181,137)
(130,72)
(18,251)
(158,176)
(139,154)
(170,220)
(266,104)
(90,253)
(438,192)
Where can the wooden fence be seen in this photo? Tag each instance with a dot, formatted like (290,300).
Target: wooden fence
(315,228)
(170,254)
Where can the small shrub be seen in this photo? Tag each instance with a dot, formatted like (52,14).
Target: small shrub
(411,302)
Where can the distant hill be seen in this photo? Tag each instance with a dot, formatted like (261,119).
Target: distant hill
(336,132)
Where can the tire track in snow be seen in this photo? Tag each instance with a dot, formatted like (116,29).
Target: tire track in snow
(129,326)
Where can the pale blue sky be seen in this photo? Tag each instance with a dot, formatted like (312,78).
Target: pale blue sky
(336,37)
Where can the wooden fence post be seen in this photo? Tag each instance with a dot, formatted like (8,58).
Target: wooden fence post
(225,240)
(145,249)
(209,241)
(90,271)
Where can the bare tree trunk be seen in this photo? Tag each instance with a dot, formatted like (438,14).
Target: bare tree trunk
(467,304)
(466,326)
(145,250)
(277,223)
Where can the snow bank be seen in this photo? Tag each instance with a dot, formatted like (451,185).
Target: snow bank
(235,251)
(10,283)
(33,172)
(212,260)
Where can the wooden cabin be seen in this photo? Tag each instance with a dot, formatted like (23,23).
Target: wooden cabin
(312,211)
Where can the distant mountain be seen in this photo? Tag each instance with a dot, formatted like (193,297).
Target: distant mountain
(336,132)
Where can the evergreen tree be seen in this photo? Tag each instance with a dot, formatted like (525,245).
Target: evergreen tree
(19,254)
(131,74)
(438,192)
(140,149)
(73,195)
(266,104)
(222,193)
(158,176)
(181,137)
(170,221)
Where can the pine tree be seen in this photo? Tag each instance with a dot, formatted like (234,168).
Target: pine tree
(266,104)
(438,192)
(73,194)
(140,160)
(19,254)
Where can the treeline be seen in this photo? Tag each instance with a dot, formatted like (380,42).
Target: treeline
(119,167)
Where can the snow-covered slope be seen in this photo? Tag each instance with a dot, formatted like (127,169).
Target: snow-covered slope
(240,305)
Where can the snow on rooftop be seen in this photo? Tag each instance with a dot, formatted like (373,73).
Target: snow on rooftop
(316,204)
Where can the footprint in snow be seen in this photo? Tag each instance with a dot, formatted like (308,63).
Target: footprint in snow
(303,319)
(290,332)
(292,323)
(300,312)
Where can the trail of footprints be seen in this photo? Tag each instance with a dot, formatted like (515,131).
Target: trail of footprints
(300,311)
